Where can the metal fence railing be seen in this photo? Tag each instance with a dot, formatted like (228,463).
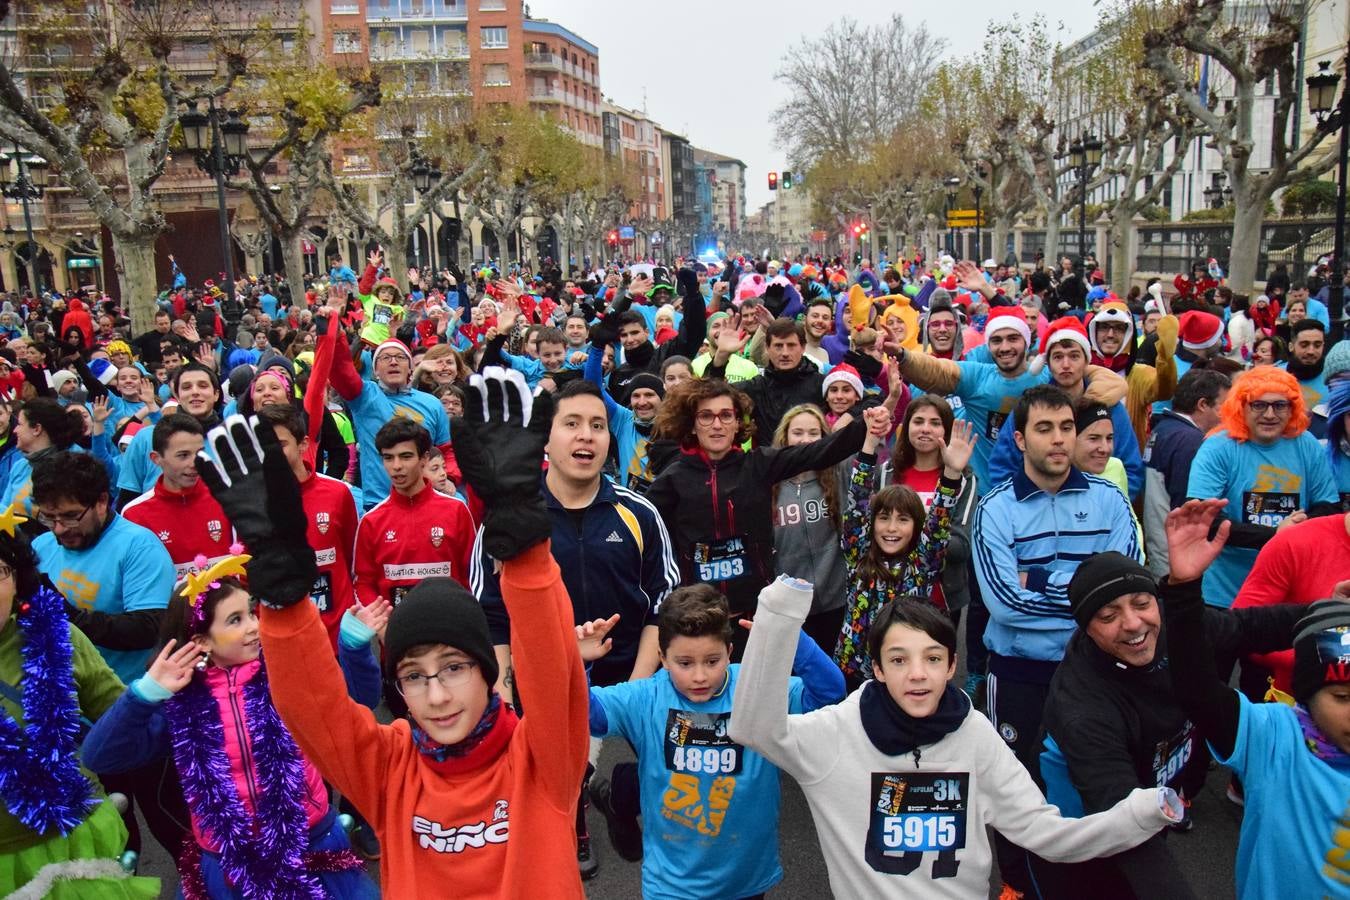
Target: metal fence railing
(1174,246)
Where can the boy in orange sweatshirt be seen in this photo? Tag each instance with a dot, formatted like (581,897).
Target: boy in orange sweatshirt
(462,793)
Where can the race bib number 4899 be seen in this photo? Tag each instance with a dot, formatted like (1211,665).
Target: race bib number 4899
(913,813)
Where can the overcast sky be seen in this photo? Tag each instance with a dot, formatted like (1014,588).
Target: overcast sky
(696,60)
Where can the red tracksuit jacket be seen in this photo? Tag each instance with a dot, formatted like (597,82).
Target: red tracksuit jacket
(403,540)
(330,511)
(188,523)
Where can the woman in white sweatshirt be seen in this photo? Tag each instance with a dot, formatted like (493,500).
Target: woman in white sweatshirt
(902,777)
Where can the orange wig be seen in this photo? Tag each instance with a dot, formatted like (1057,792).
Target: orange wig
(1250,386)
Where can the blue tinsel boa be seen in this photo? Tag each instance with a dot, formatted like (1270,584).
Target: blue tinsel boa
(40,777)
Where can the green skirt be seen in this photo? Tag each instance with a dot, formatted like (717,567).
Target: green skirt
(97,841)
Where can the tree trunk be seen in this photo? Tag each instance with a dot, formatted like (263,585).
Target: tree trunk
(1051,248)
(1249,215)
(136,278)
(1120,261)
(396,259)
(293,259)
(999,244)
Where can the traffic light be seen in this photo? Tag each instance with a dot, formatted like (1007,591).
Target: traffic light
(773,181)
(613,237)
(787,181)
(859,229)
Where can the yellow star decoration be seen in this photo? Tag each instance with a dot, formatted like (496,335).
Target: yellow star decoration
(199,582)
(9,520)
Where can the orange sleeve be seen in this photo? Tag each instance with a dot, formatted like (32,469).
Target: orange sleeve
(548,669)
(341,737)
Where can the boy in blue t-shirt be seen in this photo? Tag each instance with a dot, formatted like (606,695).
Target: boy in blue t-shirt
(709,806)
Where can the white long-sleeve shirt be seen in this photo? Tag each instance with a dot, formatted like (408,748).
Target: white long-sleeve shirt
(893,823)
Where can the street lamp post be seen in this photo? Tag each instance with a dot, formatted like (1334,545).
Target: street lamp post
(27,185)
(219,149)
(952,184)
(1085,154)
(1321,96)
(425,177)
(978,190)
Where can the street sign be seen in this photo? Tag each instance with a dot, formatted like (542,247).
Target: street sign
(81,263)
(964,218)
(625,232)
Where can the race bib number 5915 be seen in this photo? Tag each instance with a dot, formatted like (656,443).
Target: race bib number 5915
(913,813)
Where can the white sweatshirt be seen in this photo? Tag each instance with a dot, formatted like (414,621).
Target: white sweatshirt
(888,824)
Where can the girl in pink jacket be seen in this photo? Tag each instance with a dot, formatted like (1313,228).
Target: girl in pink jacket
(260,812)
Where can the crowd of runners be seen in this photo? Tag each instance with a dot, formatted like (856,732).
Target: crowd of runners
(368,568)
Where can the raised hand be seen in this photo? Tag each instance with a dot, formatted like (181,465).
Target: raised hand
(878,421)
(375,616)
(956,452)
(640,286)
(173,669)
(500,448)
(593,640)
(257,490)
(100,412)
(969,276)
(1190,551)
(376,257)
(731,342)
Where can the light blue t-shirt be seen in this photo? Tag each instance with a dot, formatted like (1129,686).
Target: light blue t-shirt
(709,805)
(1294,824)
(126,570)
(370,410)
(1264,485)
(987,399)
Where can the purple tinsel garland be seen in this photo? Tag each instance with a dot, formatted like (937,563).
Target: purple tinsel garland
(261,854)
(40,777)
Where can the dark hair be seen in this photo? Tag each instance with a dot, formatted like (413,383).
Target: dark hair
(1040,281)
(195,367)
(894,498)
(912,612)
(61,424)
(17,553)
(1047,395)
(1279,352)
(697,610)
(287,416)
(785,328)
(820,301)
(1306,325)
(675,419)
(170,425)
(629,317)
(676,361)
(551,336)
(902,457)
(179,624)
(1197,385)
(69,475)
(890,275)
(577,387)
(400,429)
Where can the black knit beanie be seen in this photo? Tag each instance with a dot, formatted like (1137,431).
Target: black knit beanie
(1321,648)
(646,380)
(1101,579)
(439,611)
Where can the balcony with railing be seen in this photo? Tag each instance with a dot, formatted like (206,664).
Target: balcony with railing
(397,11)
(550,61)
(405,51)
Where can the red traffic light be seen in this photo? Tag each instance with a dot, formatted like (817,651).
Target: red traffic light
(773,181)
(613,237)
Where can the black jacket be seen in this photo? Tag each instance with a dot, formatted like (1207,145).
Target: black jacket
(704,503)
(776,391)
(1121,727)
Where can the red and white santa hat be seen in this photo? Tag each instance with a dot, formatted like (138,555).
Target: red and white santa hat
(1068,328)
(1199,330)
(392,344)
(1013,317)
(845,373)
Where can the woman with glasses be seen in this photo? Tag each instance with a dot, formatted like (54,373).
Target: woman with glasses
(1263,461)
(53,820)
(716,497)
(261,819)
